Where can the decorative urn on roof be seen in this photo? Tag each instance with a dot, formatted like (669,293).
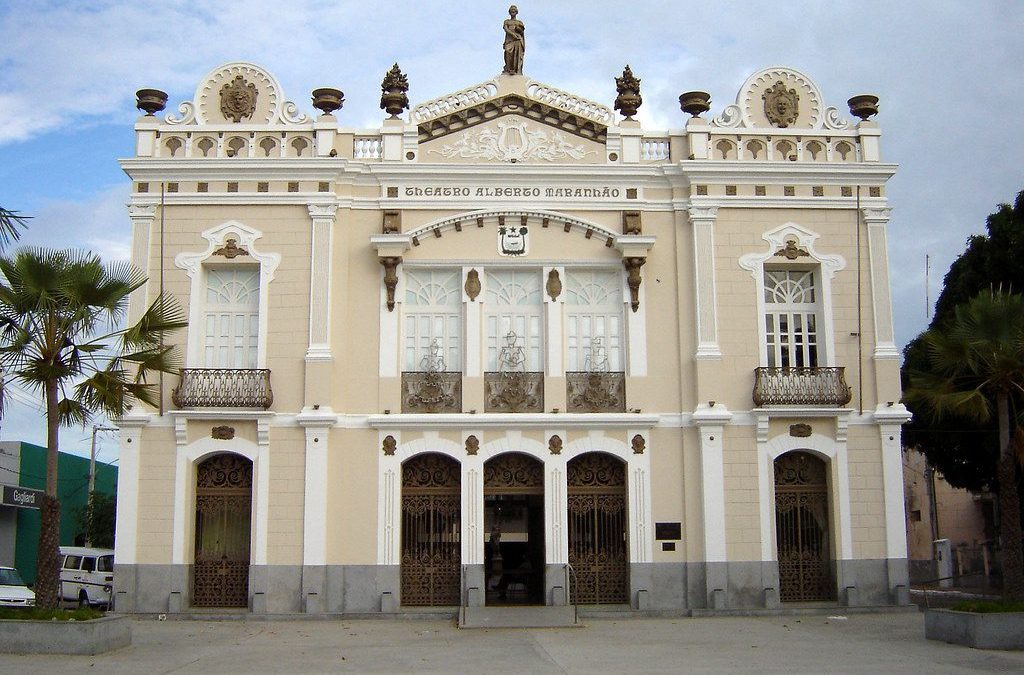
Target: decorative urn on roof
(327,100)
(863,106)
(695,102)
(393,97)
(150,101)
(629,98)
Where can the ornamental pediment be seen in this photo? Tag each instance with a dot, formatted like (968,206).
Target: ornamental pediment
(513,138)
(238,93)
(563,118)
(783,98)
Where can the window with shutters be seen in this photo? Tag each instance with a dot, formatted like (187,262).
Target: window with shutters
(231,316)
(791,318)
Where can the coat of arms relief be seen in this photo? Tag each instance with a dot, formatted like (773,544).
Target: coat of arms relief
(513,141)
(238,99)
(781,105)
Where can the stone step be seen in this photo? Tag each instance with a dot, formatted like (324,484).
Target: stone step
(518,617)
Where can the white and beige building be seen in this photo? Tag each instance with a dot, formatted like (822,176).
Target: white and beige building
(511,347)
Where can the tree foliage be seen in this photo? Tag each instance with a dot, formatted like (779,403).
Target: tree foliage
(96,520)
(60,335)
(964,449)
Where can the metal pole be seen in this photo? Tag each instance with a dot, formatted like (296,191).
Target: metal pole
(92,469)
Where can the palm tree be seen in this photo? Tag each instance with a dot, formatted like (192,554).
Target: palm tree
(59,335)
(974,361)
(11,225)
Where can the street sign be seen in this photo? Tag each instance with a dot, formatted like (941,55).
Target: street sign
(23,498)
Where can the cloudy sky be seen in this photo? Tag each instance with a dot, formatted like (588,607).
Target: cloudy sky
(947,74)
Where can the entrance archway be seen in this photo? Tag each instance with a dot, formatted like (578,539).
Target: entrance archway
(514,560)
(431,538)
(220,575)
(598,546)
(802,528)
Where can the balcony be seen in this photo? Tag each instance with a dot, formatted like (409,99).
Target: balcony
(431,392)
(223,388)
(595,392)
(514,392)
(800,386)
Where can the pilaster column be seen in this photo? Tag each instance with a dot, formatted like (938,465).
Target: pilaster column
(322,217)
(553,298)
(314,530)
(128,487)
(142,224)
(877,221)
(702,219)
(710,420)
(472,289)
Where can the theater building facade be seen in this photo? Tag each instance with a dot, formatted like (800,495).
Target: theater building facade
(512,348)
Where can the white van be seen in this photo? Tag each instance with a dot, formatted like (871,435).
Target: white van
(87,575)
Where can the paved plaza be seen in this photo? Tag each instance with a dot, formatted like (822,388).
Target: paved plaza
(859,643)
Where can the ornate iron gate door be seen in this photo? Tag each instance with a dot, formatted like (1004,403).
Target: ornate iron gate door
(598,548)
(223,517)
(802,528)
(431,494)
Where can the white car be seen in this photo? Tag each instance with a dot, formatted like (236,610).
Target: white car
(13,591)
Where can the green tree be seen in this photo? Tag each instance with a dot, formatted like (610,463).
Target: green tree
(97,520)
(975,369)
(963,449)
(59,335)
(11,225)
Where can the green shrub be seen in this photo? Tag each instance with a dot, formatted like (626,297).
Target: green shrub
(40,614)
(988,606)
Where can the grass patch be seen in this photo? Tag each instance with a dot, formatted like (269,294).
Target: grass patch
(40,614)
(988,606)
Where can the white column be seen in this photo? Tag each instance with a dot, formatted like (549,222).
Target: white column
(881,299)
(389,495)
(556,508)
(128,488)
(636,327)
(322,216)
(182,491)
(314,524)
(711,427)
(553,316)
(472,503)
(389,326)
(142,223)
(261,480)
(702,219)
(892,479)
(639,490)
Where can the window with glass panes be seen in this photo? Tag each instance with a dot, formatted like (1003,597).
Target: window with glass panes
(433,318)
(594,308)
(231,316)
(514,309)
(791,317)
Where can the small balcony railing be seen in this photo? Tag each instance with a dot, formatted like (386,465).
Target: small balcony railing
(514,392)
(431,392)
(600,392)
(223,388)
(800,386)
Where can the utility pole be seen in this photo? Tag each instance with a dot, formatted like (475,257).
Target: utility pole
(92,469)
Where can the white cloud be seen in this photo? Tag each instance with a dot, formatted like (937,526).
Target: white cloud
(98,223)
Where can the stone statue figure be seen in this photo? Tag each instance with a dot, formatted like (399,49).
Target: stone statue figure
(515,42)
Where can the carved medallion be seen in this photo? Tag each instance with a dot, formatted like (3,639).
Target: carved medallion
(781,105)
(639,445)
(222,433)
(513,241)
(555,445)
(390,445)
(472,286)
(238,99)
(554,285)
(792,251)
(231,250)
(472,445)
(800,430)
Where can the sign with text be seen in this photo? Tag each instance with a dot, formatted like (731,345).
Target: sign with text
(591,192)
(23,498)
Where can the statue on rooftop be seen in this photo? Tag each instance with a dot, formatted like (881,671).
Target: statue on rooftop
(515,42)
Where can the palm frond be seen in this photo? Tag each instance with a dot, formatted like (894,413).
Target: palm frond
(11,225)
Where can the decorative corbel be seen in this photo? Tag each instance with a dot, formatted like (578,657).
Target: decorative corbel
(633,265)
(391,264)
(554,285)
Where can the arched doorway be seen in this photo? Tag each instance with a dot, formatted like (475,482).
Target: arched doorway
(431,535)
(598,546)
(802,528)
(514,560)
(223,522)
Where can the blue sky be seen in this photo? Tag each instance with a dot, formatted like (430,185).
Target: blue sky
(947,74)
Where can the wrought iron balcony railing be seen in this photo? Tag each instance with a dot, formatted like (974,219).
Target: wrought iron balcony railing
(223,388)
(431,392)
(595,392)
(514,391)
(800,386)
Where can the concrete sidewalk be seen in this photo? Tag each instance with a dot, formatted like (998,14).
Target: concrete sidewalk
(860,643)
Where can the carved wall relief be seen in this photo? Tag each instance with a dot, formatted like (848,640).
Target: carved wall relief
(639,444)
(781,105)
(222,433)
(792,251)
(472,445)
(800,430)
(554,285)
(555,445)
(472,286)
(238,99)
(389,445)
(631,223)
(633,265)
(231,250)
(391,264)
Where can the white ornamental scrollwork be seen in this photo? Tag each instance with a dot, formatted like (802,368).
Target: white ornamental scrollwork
(730,117)
(187,112)
(833,120)
(513,141)
(271,106)
(291,114)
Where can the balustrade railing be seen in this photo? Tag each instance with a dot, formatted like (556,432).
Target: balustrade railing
(595,392)
(801,386)
(514,392)
(367,147)
(654,149)
(223,388)
(431,392)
